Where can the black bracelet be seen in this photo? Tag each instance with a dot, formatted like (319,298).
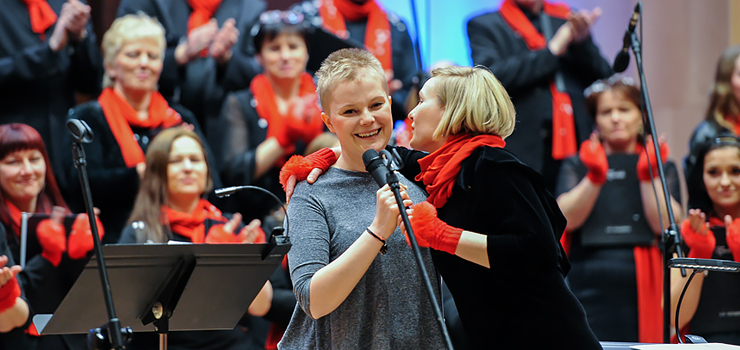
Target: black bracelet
(384,248)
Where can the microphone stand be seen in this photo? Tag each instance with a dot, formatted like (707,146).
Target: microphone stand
(392,181)
(671,238)
(110,335)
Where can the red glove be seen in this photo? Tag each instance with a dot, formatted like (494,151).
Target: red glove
(302,166)
(593,157)
(733,238)
(217,234)
(9,292)
(277,129)
(643,170)
(701,246)
(244,235)
(431,231)
(81,240)
(53,240)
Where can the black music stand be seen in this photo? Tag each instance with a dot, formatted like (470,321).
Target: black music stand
(168,287)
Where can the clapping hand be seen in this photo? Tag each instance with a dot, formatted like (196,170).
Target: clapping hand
(697,236)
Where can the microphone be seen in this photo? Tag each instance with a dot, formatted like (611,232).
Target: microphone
(376,166)
(622,60)
(80,131)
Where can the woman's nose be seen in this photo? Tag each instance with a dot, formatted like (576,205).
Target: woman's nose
(187,164)
(724,180)
(144,59)
(366,118)
(27,168)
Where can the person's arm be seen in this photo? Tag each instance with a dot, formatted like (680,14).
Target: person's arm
(262,302)
(578,203)
(690,302)
(650,183)
(87,63)
(283,299)
(494,45)
(321,285)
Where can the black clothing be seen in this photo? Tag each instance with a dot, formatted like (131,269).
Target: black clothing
(38,85)
(603,278)
(526,75)
(404,63)
(202,84)
(523,295)
(112,183)
(16,338)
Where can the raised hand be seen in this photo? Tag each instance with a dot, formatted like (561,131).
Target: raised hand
(697,236)
(225,233)
(733,236)
(223,41)
(197,40)
(643,169)
(593,157)
(581,23)
(52,236)
(79,16)
(251,233)
(81,241)
(9,288)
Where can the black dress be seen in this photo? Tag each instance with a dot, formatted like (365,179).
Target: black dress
(38,85)
(526,75)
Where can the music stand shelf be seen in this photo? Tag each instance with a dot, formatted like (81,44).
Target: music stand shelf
(215,294)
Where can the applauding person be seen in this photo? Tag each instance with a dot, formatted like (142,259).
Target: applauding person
(712,231)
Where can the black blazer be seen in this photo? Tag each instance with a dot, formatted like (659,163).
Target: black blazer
(38,85)
(526,75)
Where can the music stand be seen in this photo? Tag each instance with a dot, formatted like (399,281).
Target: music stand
(189,286)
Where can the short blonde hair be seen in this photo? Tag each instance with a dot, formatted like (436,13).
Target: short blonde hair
(474,101)
(126,29)
(342,66)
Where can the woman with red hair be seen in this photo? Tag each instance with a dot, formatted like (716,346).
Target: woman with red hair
(27,185)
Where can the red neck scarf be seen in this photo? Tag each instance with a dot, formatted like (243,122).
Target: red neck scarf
(267,107)
(203,11)
(377,33)
(15,217)
(563,127)
(42,16)
(440,168)
(121,117)
(192,225)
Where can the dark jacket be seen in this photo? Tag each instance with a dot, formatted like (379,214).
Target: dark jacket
(112,183)
(202,84)
(38,85)
(705,131)
(526,75)
(522,297)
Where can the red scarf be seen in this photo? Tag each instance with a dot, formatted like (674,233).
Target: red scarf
(440,168)
(203,11)
(15,217)
(267,107)
(563,127)
(121,117)
(377,32)
(192,225)
(42,16)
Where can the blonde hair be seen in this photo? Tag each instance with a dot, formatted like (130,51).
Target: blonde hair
(474,101)
(126,29)
(343,66)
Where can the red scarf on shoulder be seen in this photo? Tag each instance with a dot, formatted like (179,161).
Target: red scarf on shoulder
(440,168)
(564,142)
(42,16)
(267,107)
(121,117)
(203,11)
(192,225)
(377,33)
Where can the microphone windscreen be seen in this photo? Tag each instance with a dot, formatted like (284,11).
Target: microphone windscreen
(621,62)
(368,157)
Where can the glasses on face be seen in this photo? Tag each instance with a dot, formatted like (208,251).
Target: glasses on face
(726,141)
(602,85)
(277,16)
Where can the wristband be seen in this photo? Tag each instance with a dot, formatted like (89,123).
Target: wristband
(384,248)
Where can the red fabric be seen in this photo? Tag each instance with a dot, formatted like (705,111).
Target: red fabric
(563,127)
(595,161)
(432,232)
(733,239)
(440,168)
(9,292)
(217,234)
(203,11)
(301,166)
(192,225)
(15,217)
(81,241)
(285,128)
(121,117)
(42,16)
(649,272)
(53,240)
(643,170)
(701,246)
(377,31)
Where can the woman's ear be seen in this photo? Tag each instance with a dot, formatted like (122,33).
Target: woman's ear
(327,121)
